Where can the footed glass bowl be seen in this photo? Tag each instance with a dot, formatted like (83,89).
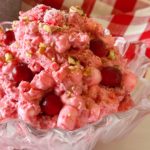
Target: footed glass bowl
(17,135)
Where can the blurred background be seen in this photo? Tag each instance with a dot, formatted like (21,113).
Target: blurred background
(9,8)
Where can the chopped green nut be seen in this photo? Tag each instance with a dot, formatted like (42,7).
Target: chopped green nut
(25,18)
(87,72)
(47,28)
(76,9)
(74,68)
(42,48)
(65,27)
(72,60)
(56,28)
(8,57)
(42,45)
(29,54)
(52,28)
(14,24)
(112,55)
(68,93)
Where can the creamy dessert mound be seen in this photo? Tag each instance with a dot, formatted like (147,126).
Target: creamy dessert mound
(61,69)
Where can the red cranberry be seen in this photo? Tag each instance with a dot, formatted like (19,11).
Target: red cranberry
(22,72)
(51,104)
(111,77)
(9,37)
(98,48)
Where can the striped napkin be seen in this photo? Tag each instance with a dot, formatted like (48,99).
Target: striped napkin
(128,18)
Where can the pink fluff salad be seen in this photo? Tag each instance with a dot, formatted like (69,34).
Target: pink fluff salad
(71,73)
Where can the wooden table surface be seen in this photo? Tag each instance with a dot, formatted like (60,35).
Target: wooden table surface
(138,139)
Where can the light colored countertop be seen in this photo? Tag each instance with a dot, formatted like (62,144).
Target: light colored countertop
(138,139)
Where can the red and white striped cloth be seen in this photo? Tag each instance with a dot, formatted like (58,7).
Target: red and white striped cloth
(127,18)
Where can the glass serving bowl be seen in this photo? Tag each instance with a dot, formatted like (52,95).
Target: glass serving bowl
(17,135)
